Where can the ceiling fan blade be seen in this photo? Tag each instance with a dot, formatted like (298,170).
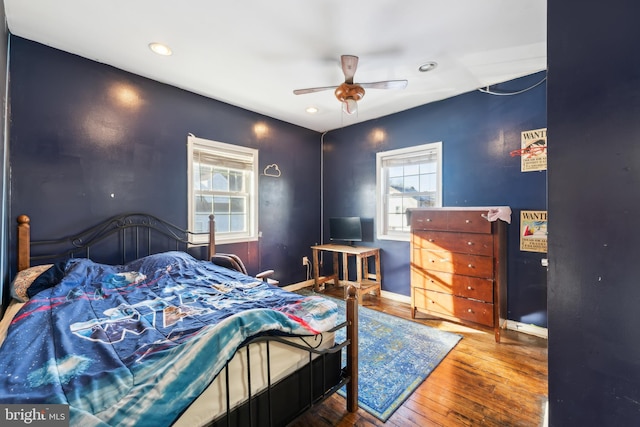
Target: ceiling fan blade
(313,89)
(349,65)
(387,84)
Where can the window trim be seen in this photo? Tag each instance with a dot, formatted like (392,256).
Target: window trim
(220,148)
(381,232)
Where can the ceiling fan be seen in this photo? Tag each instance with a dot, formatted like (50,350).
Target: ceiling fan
(349,93)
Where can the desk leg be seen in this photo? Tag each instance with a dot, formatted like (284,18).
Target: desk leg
(359,261)
(316,270)
(345,270)
(336,270)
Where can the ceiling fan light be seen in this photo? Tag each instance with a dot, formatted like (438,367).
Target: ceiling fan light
(350,106)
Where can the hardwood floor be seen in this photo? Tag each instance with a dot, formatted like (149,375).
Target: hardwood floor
(479,383)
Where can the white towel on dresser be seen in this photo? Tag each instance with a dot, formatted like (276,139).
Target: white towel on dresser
(501,212)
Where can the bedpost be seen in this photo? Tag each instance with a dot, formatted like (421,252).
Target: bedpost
(352,349)
(24,242)
(212,236)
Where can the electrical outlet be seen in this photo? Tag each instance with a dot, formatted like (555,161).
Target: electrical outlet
(305,260)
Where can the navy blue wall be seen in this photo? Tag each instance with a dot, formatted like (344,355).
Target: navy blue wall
(79,155)
(73,146)
(594,206)
(477,131)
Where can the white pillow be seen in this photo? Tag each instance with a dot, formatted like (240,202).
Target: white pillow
(24,279)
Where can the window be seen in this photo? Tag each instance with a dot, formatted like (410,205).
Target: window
(223,181)
(406,178)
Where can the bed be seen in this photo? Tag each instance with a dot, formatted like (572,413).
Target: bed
(160,335)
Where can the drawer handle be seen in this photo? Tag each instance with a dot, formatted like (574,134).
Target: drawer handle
(428,220)
(432,260)
(468,221)
(430,240)
(469,311)
(470,243)
(470,288)
(470,265)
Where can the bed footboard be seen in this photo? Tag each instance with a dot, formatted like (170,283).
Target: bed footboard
(282,401)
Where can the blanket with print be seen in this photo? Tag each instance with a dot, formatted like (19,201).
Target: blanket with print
(135,344)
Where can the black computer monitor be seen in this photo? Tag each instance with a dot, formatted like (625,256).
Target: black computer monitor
(345,229)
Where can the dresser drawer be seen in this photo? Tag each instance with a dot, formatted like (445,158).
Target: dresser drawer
(429,220)
(457,307)
(450,220)
(470,243)
(468,221)
(464,286)
(451,262)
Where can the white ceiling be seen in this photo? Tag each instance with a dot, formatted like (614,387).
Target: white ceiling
(254,53)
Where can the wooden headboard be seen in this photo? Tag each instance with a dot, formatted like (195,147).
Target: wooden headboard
(135,235)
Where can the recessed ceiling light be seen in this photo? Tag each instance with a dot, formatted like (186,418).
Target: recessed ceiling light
(427,66)
(311,110)
(160,49)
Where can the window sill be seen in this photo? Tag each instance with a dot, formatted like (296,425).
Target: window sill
(396,237)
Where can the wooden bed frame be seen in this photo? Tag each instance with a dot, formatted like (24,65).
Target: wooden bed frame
(137,235)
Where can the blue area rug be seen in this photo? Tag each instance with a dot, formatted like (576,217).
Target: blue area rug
(395,357)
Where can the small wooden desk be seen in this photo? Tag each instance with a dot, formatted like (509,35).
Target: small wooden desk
(365,282)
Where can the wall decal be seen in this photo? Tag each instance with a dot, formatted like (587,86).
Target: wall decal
(272,170)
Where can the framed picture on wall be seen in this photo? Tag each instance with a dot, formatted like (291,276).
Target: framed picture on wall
(533,231)
(533,150)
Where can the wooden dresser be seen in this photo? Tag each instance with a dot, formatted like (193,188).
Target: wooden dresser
(458,266)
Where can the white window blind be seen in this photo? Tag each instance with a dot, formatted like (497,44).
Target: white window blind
(406,178)
(223,181)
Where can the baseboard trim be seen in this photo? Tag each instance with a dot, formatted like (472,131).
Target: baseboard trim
(526,328)
(396,297)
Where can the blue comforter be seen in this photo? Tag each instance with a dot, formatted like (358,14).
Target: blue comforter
(135,344)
